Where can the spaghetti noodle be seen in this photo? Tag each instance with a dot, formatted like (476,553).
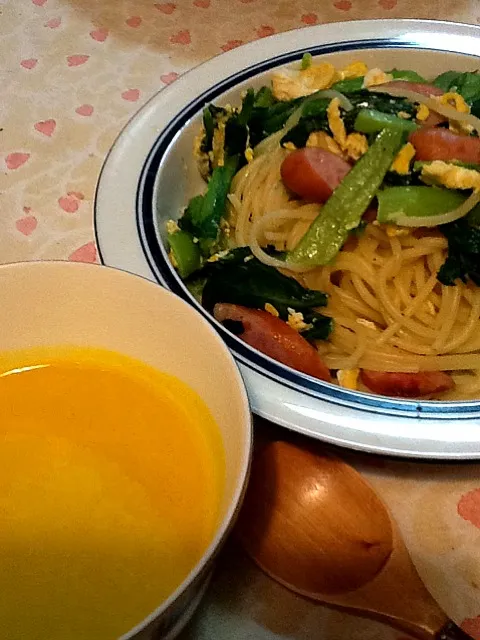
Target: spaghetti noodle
(390,311)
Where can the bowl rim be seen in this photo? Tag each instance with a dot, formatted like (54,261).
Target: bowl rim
(36,267)
(411,34)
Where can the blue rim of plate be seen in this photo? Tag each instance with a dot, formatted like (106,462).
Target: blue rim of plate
(157,258)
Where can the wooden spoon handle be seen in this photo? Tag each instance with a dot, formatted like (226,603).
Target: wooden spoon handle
(450,631)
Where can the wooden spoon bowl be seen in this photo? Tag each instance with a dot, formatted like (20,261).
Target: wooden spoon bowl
(312,523)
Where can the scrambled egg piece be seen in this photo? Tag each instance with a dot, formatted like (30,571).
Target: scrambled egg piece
(456,101)
(348,378)
(401,163)
(422,112)
(216,256)
(225,227)
(249,154)
(450,176)
(172,259)
(287,85)
(296,320)
(376,76)
(393,231)
(172,226)
(289,146)
(355,144)
(269,308)
(218,145)
(355,69)
(322,140)
(335,122)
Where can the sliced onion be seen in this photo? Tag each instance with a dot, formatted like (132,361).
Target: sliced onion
(258,227)
(442,218)
(271,143)
(431,103)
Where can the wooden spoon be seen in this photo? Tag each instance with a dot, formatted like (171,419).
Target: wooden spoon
(312,523)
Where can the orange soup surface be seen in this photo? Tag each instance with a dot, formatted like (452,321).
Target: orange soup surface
(111,476)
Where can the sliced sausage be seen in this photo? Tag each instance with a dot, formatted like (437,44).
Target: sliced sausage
(407,385)
(313,173)
(440,144)
(273,337)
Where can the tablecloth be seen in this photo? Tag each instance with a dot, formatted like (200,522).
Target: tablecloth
(72,73)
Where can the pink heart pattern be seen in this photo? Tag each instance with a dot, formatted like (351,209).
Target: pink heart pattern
(86,253)
(131,95)
(84,110)
(53,23)
(16,159)
(100,35)
(231,44)
(167,7)
(387,4)
(76,60)
(309,18)
(265,30)
(71,202)
(134,22)
(343,5)
(47,127)
(202,4)
(168,78)
(39,3)
(468,507)
(182,37)
(26,225)
(29,63)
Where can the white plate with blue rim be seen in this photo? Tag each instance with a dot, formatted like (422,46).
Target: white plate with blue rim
(150,174)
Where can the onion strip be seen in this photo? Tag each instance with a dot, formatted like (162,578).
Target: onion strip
(441,218)
(431,103)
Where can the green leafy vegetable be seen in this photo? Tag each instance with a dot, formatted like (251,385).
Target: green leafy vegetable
(314,115)
(406,74)
(394,179)
(463,259)
(247,281)
(377,101)
(343,210)
(204,212)
(321,326)
(313,118)
(351,85)
(466,84)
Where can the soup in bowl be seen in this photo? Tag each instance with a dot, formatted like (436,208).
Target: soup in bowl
(122,465)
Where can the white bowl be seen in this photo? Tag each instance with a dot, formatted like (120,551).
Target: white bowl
(61,303)
(150,174)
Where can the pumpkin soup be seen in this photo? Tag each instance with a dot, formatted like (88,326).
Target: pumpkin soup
(111,475)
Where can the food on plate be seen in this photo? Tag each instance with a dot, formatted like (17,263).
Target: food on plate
(344,203)
(111,479)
